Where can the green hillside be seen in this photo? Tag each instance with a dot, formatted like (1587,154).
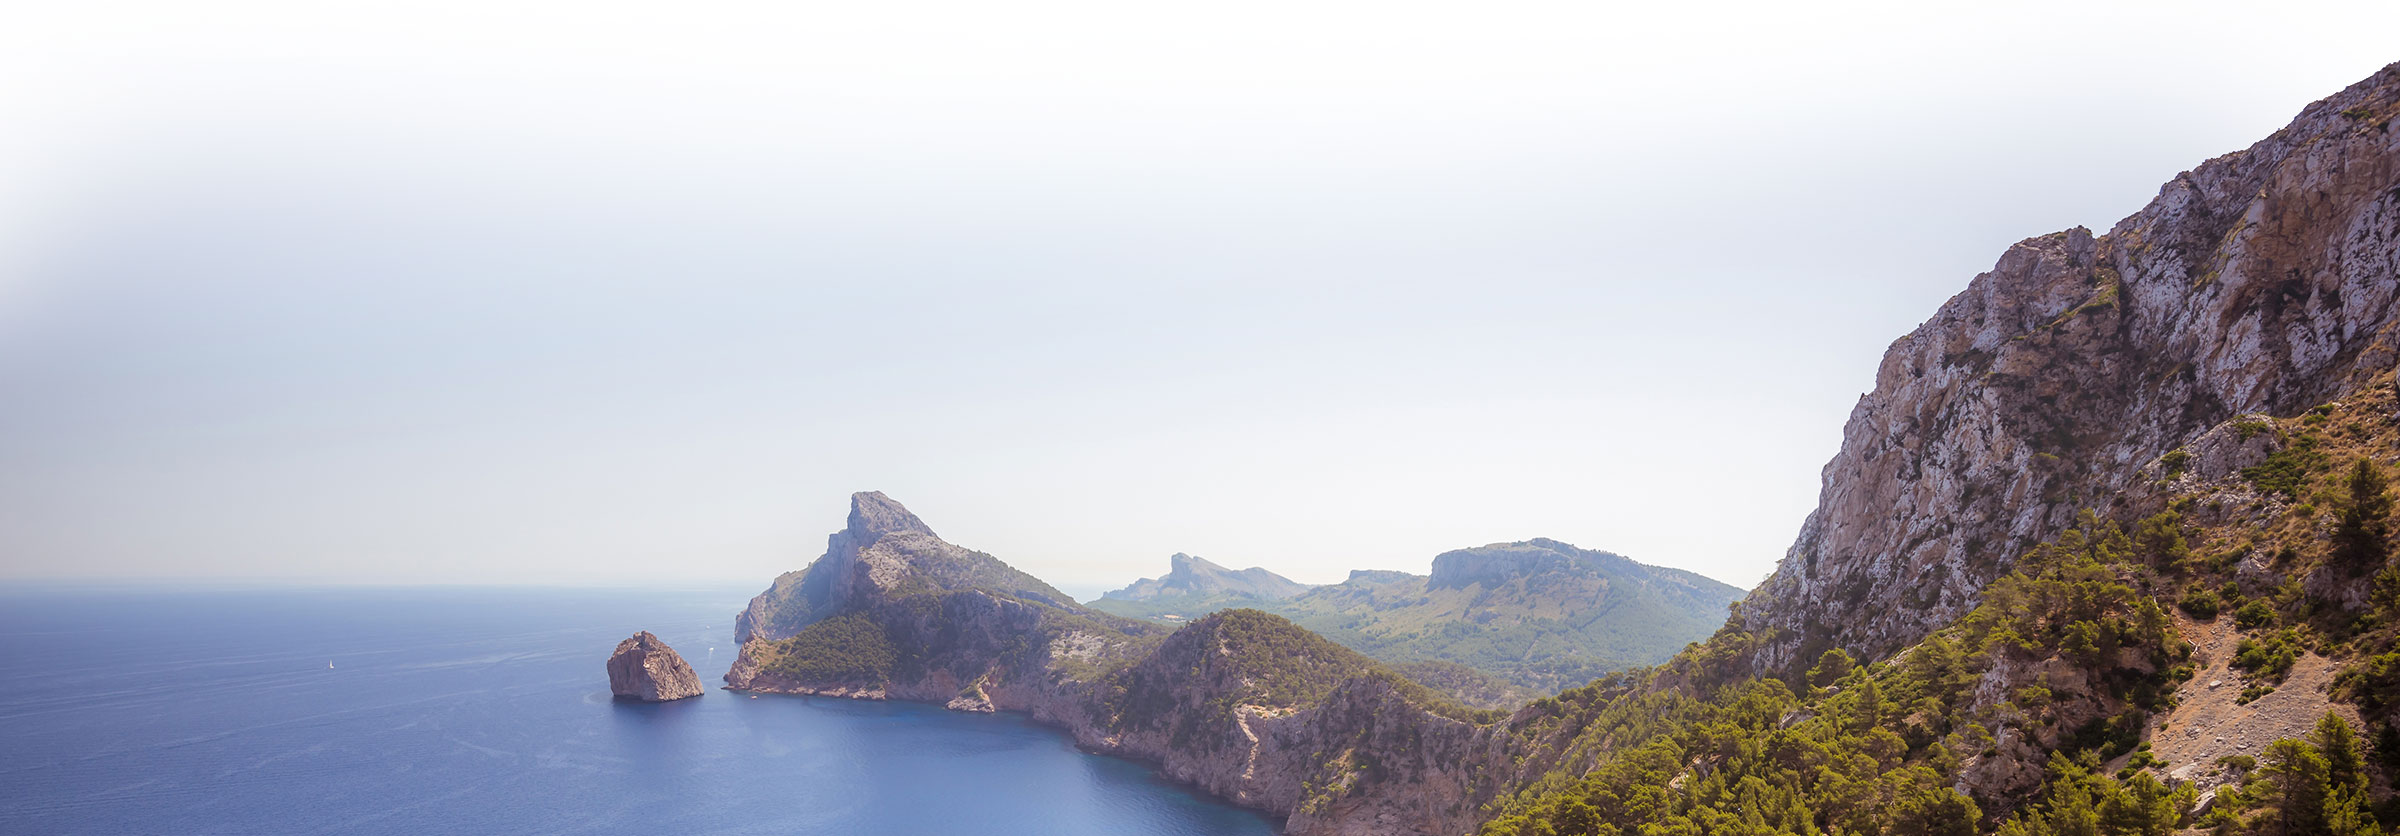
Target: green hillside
(1536,616)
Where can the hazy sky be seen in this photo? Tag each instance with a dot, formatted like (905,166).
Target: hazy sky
(592,293)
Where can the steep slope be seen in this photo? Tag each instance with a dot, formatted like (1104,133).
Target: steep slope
(2261,281)
(2180,667)
(885,545)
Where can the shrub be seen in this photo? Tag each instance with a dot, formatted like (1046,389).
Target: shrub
(2254,615)
(2358,541)
(2199,602)
(2269,658)
(2286,471)
(2175,461)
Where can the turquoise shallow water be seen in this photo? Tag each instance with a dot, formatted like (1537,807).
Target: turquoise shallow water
(487,711)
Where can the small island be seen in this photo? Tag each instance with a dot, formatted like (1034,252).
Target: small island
(644,668)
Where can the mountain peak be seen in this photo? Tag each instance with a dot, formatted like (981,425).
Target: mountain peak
(864,561)
(1184,564)
(1190,575)
(2260,281)
(875,515)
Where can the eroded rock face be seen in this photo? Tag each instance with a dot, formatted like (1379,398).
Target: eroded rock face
(2262,281)
(644,668)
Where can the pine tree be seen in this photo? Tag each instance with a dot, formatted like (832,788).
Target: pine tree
(1831,667)
(2339,747)
(2358,541)
(2300,787)
(2350,814)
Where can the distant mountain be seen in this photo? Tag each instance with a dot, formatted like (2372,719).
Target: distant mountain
(1188,575)
(1538,615)
(1193,587)
(1541,614)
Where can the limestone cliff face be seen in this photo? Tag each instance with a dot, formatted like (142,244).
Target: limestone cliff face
(646,669)
(2261,281)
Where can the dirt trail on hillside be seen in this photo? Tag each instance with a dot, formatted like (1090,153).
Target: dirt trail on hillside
(2207,725)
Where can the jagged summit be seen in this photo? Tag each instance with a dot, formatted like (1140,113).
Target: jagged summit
(884,549)
(1192,576)
(875,515)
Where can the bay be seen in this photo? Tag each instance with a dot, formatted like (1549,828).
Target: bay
(444,710)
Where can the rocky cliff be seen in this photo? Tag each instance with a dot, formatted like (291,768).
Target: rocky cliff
(646,669)
(2262,281)
(882,544)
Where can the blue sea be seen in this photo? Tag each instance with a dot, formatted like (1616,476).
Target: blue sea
(425,711)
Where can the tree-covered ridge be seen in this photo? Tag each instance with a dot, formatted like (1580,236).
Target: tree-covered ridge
(2030,716)
(1174,609)
(1874,748)
(848,649)
(1246,657)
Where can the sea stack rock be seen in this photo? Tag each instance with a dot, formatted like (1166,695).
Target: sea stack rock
(646,669)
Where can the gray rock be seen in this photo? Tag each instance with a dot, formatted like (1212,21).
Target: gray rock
(2262,281)
(646,669)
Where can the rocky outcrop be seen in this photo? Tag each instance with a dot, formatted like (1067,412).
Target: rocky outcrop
(646,669)
(2262,281)
(1189,576)
(882,543)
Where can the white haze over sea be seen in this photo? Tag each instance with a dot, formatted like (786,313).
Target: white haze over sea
(624,293)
